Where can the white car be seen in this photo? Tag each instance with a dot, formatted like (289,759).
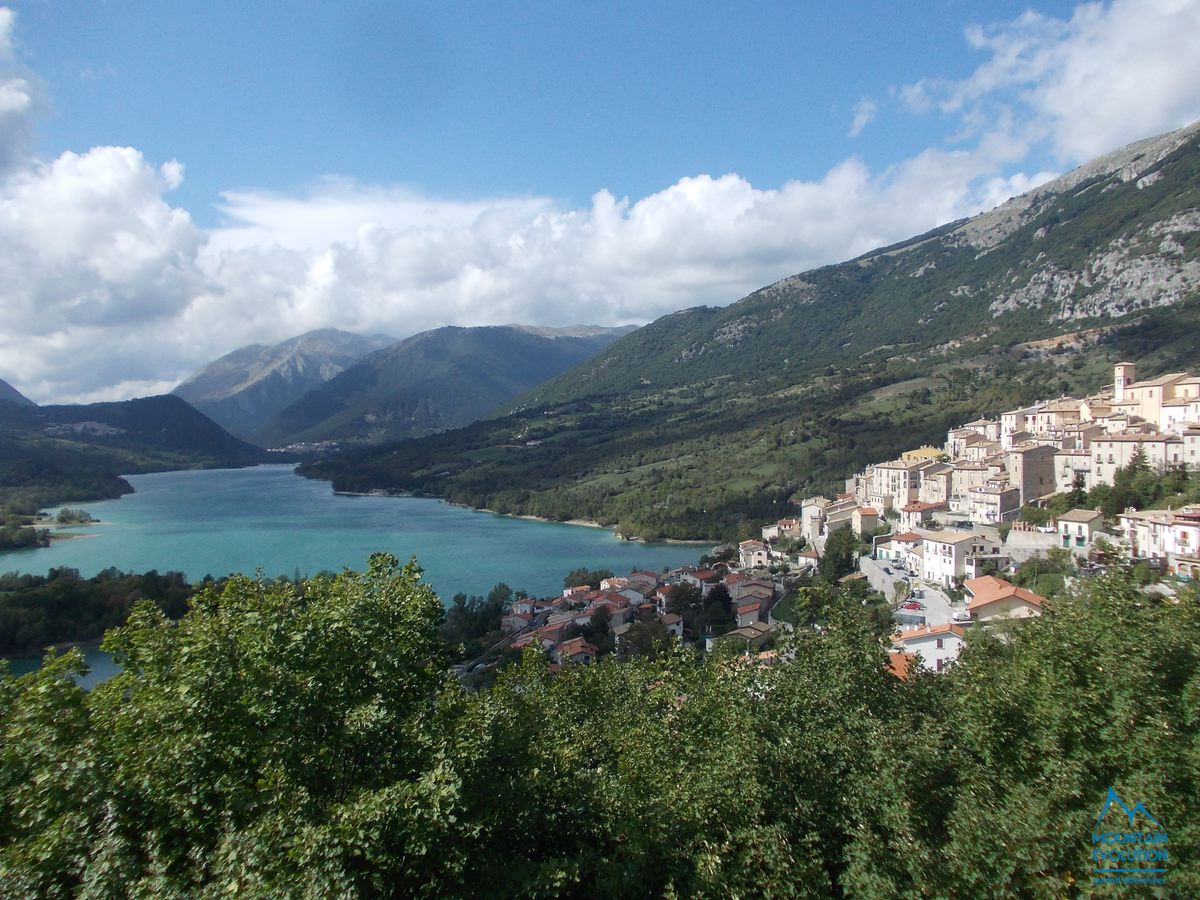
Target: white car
(960,616)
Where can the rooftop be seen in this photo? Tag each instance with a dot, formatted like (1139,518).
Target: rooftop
(989,589)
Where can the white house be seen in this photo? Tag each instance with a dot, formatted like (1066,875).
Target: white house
(938,645)
(945,554)
(1077,528)
(990,598)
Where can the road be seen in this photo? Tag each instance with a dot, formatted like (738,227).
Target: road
(937,606)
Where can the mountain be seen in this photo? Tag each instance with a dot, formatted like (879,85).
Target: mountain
(243,389)
(432,381)
(708,420)
(51,454)
(12,395)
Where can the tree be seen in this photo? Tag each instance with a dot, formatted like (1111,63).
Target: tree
(717,616)
(683,596)
(1077,496)
(648,639)
(841,554)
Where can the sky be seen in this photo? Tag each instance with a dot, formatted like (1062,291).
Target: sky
(178,179)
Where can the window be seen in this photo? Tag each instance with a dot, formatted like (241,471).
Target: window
(939,643)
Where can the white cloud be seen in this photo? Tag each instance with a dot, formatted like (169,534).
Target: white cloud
(1110,74)
(865,111)
(110,291)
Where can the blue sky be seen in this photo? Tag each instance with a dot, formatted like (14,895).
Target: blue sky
(179,179)
(484,99)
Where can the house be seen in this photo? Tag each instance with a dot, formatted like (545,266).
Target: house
(936,483)
(864,520)
(993,503)
(514,621)
(748,637)
(924,452)
(1112,452)
(1077,528)
(807,559)
(750,588)
(938,645)
(945,555)
(896,483)
(674,624)
(1071,465)
(525,606)
(990,598)
(748,612)
(1030,467)
(918,513)
(812,517)
(753,554)
(1172,536)
(576,650)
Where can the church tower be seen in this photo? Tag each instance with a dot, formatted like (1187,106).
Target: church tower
(1124,374)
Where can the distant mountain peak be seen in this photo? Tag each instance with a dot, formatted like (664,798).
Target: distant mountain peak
(12,395)
(247,386)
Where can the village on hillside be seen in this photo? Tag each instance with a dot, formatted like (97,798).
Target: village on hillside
(936,533)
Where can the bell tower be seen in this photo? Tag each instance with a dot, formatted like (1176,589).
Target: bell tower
(1124,374)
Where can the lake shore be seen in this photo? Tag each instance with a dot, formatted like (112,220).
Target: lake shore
(584,523)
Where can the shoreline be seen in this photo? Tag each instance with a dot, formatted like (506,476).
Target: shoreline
(583,523)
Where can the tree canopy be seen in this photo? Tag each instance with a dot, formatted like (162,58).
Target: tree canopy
(286,740)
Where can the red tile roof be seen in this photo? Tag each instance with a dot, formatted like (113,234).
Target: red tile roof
(989,589)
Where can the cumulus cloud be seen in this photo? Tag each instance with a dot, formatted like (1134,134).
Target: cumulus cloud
(1108,75)
(111,291)
(865,111)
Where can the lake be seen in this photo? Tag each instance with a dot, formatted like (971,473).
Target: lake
(217,521)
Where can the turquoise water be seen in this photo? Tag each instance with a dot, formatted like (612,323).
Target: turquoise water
(266,518)
(100,664)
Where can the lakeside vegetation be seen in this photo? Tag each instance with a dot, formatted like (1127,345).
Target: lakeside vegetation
(37,611)
(305,739)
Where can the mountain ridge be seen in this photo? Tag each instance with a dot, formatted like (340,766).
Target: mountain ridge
(712,418)
(12,395)
(432,381)
(246,386)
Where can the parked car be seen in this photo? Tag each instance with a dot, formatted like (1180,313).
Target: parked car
(887,571)
(960,615)
(912,605)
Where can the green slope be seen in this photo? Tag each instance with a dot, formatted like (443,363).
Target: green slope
(50,454)
(708,420)
(432,381)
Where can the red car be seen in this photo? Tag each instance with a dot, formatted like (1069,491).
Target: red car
(912,604)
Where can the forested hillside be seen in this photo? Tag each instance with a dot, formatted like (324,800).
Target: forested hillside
(710,418)
(305,740)
(51,454)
